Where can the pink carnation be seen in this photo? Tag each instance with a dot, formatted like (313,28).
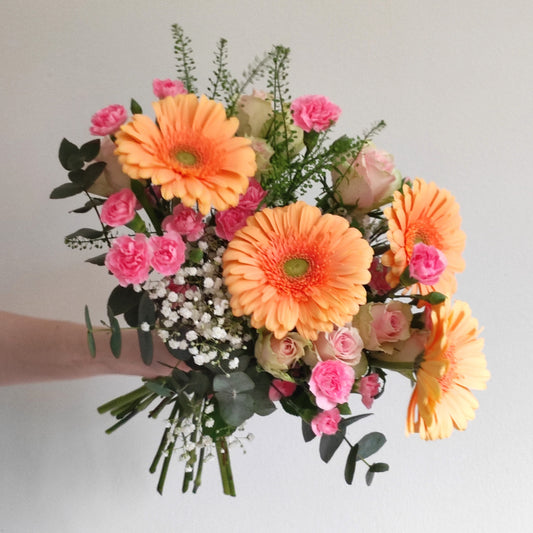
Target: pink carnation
(108,120)
(314,112)
(164,88)
(326,422)
(185,221)
(280,389)
(168,253)
(230,221)
(427,264)
(129,259)
(119,208)
(253,196)
(368,388)
(331,382)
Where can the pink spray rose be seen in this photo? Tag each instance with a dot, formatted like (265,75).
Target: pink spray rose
(253,196)
(164,88)
(368,181)
(280,389)
(326,422)
(368,388)
(108,120)
(314,112)
(427,264)
(230,221)
(344,344)
(277,356)
(129,259)
(185,221)
(383,324)
(119,208)
(331,382)
(168,253)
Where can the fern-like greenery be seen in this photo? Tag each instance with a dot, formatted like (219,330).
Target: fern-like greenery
(184,58)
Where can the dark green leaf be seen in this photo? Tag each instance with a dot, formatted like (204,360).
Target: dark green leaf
(345,422)
(132,317)
(146,345)
(97,260)
(77,177)
(370,444)
(90,337)
(66,151)
(116,338)
(198,384)
(349,469)
(146,310)
(90,149)
(329,444)
(307,431)
(92,173)
(123,299)
(376,467)
(65,191)
(135,108)
(93,202)
(180,377)
(86,233)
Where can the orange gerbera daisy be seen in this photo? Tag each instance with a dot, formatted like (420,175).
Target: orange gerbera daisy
(292,267)
(452,364)
(424,213)
(192,152)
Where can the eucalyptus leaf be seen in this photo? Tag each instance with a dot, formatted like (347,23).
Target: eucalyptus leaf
(235,409)
(65,191)
(198,383)
(233,383)
(91,204)
(158,388)
(86,233)
(370,444)
(345,422)
(115,342)
(146,310)
(135,108)
(329,444)
(351,460)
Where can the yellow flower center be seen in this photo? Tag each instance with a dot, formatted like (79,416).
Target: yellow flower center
(186,158)
(295,267)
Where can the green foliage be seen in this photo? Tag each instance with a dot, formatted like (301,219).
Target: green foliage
(185,64)
(232,392)
(90,336)
(146,315)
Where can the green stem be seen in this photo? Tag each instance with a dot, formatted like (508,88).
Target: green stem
(225,466)
(198,478)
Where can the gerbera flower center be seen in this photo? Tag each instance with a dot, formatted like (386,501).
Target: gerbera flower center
(295,267)
(186,158)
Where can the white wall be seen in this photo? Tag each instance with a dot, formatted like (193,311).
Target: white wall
(453,81)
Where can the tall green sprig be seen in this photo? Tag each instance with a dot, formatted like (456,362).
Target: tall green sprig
(222,81)
(184,57)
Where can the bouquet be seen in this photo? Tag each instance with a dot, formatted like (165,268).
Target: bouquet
(263,299)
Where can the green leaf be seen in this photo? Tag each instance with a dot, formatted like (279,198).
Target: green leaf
(370,444)
(329,444)
(196,255)
(434,298)
(97,260)
(90,337)
(93,202)
(233,383)
(123,299)
(235,409)
(90,149)
(345,422)
(158,388)
(115,342)
(77,177)
(135,108)
(86,233)
(307,431)
(180,377)
(146,345)
(66,151)
(146,314)
(65,191)
(351,460)
(92,173)
(376,467)
(198,383)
